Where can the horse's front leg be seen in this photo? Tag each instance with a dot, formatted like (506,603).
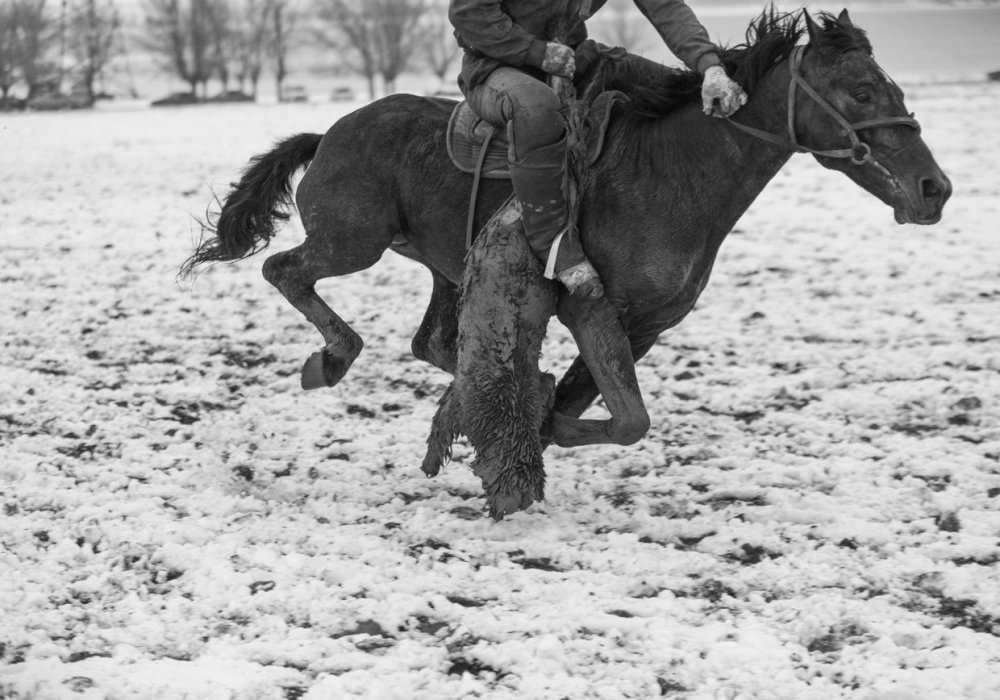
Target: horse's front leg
(577,390)
(605,348)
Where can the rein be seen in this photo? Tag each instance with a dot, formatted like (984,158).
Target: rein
(858,153)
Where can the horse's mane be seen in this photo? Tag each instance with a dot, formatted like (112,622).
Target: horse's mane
(655,90)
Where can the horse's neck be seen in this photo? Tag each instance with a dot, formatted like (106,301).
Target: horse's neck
(728,168)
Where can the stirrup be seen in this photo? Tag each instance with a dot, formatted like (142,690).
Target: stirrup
(582,280)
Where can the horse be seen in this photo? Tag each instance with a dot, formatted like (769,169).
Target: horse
(656,206)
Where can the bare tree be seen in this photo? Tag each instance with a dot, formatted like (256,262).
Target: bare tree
(222,39)
(92,41)
(240,31)
(181,33)
(8,48)
(381,35)
(252,29)
(396,36)
(33,38)
(438,45)
(282,25)
(351,27)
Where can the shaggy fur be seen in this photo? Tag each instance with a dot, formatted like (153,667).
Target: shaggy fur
(499,399)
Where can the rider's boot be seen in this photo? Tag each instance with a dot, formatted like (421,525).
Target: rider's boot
(539,184)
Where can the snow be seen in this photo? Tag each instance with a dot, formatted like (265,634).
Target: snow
(813,515)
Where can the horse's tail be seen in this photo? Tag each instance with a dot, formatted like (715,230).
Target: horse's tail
(250,211)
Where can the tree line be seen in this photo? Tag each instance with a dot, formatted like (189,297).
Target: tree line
(53,45)
(49,45)
(37,43)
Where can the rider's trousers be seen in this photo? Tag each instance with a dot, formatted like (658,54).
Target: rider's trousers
(530,111)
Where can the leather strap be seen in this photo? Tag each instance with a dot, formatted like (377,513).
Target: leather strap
(858,152)
(476,178)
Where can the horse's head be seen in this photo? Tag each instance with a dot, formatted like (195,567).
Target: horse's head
(856,122)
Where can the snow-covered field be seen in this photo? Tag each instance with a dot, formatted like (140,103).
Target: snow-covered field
(815,513)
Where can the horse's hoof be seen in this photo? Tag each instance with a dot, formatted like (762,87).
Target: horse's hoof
(322,370)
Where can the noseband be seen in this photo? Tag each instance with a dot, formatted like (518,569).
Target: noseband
(858,153)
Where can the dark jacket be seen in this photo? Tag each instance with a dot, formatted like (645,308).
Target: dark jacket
(498,33)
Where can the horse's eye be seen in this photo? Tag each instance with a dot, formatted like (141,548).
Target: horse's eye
(862,95)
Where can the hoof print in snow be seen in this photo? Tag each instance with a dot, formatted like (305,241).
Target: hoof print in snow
(419,549)
(79,684)
(967,613)
(465,602)
(189,414)
(711,590)
(669,687)
(969,403)
(461,666)
(539,563)
(827,644)
(356,410)
(751,554)
(948,522)
(466,513)
(244,472)
(262,586)
(374,643)
(365,627)
(432,627)
(724,500)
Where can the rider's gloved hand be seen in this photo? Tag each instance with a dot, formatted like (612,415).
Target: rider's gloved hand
(559,60)
(720,94)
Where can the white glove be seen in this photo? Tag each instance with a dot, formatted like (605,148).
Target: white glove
(559,60)
(720,94)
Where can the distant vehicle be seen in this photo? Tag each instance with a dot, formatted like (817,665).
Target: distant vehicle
(10,104)
(231,96)
(293,93)
(342,94)
(175,99)
(57,100)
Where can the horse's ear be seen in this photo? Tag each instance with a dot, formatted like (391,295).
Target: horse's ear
(844,19)
(815,33)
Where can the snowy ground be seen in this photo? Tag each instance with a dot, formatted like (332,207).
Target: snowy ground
(815,513)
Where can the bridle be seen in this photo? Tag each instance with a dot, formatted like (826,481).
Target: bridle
(859,152)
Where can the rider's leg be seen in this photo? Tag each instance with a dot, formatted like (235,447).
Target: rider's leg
(537,133)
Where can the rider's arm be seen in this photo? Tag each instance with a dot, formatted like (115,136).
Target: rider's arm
(484,26)
(683,33)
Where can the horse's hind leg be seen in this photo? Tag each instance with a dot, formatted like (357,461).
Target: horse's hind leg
(295,273)
(436,341)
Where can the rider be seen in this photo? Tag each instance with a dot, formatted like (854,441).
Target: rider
(509,50)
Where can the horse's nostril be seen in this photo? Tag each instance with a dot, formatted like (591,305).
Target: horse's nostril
(930,189)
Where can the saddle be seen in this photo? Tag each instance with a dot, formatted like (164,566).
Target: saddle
(481,149)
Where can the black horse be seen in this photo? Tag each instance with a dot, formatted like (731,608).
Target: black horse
(656,206)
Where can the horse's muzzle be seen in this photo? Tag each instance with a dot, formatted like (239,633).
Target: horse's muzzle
(925,200)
